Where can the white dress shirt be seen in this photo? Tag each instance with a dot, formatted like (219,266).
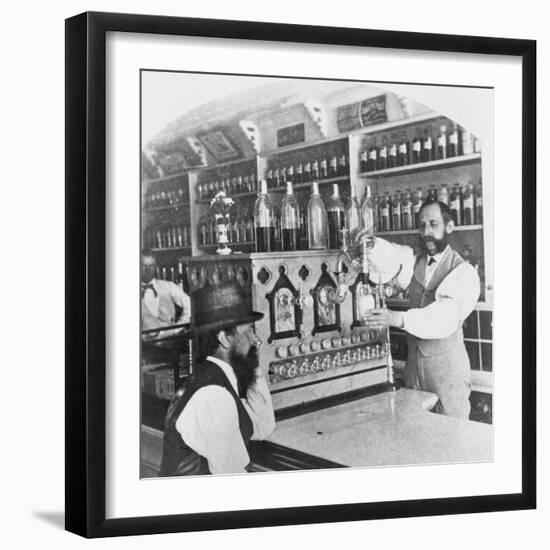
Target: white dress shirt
(209,423)
(455,297)
(158,305)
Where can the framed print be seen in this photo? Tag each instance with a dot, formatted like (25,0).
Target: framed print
(300,274)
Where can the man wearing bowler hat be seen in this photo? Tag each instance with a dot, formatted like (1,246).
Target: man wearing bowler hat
(226,401)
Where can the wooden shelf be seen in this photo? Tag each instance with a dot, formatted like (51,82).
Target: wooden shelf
(173,249)
(415,231)
(167,207)
(422,166)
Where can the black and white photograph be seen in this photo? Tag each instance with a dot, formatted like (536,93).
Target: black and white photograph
(316,276)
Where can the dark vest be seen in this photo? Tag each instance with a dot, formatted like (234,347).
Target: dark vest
(178,458)
(421,296)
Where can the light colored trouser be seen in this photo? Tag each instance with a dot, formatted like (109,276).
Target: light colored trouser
(447,374)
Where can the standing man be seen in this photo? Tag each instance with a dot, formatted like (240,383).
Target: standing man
(159,298)
(443,291)
(226,401)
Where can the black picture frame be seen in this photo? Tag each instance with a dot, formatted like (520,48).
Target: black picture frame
(86,278)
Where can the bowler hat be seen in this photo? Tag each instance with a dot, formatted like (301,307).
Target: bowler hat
(220,306)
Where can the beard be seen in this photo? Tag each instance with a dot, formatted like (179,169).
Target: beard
(439,244)
(245,369)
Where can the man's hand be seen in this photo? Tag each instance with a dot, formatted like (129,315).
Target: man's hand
(384,318)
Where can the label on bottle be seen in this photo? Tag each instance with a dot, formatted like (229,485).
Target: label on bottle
(364,155)
(403,148)
(385,212)
(396,210)
(307,167)
(428,143)
(372,154)
(416,146)
(299,169)
(453,138)
(467,148)
(469,202)
(455,205)
(334,163)
(393,151)
(342,160)
(383,152)
(479,202)
(442,141)
(290,171)
(407,209)
(323,164)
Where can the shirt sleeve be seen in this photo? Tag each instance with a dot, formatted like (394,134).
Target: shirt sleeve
(181,299)
(388,260)
(455,299)
(259,406)
(209,424)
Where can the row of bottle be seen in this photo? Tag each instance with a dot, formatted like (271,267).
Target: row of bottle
(308,167)
(230,185)
(172,273)
(172,197)
(427,144)
(400,211)
(167,236)
(325,223)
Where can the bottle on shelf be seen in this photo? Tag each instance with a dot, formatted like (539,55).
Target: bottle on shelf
(353,213)
(373,156)
(427,146)
(396,211)
(368,213)
(263,221)
(333,165)
(383,155)
(442,143)
(468,204)
(303,221)
(282,176)
(299,170)
(384,209)
(407,221)
(478,202)
(269,178)
(403,150)
(417,200)
(276,229)
(276,177)
(343,165)
(416,148)
(290,174)
(452,146)
(467,143)
(477,144)
(307,170)
(443,195)
(315,170)
(316,220)
(323,168)
(363,160)
(335,218)
(392,151)
(290,220)
(456,204)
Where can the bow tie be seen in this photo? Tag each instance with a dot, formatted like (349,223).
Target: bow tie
(144,289)
(431,261)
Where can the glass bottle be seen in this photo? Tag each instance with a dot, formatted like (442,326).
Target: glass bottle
(353,213)
(455,205)
(290,174)
(368,213)
(299,171)
(290,219)
(316,220)
(452,147)
(315,170)
(336,219)
(363,160)
(417,200)
(403,151)
(333,167)
(406,210)
(478,201)
(468,204)
(343,164)
(467,142)
(396,211)
(427,146)
(383,155)
(416,148)
(443,195)
(263,221)
(307,170)
(442,142)
(392,152)
(373,156)
(384,209)
(323,168)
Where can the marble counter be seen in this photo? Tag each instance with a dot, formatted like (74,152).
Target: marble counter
(391,428)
